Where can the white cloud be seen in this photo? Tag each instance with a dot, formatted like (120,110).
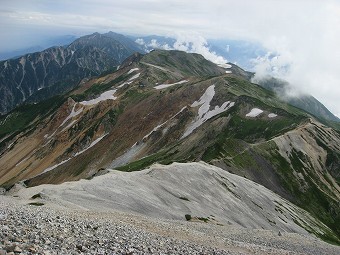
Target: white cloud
(140,41)
(304,34)
(193,42)
(308,55)
(188,42)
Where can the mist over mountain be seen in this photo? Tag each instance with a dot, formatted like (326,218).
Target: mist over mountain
(234,51)
(299,99)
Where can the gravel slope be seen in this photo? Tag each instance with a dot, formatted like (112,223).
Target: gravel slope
(143,213)
(172,191)
(29,229)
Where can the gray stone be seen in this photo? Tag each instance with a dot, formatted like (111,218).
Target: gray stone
(2,191)
(9,248)
(17,249)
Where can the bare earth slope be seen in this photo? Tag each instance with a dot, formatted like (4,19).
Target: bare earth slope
(171,192)
(109,214)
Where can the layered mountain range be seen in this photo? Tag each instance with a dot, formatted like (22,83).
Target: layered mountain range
(38,76)
(171,106)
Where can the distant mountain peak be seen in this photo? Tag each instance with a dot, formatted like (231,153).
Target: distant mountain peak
(40,75)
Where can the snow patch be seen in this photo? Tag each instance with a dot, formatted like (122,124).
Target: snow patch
(122,85)
(161,125)
(204,101)
(155,129)
(272,115)
(103,97)
(49,136)
(163,86)
(254,112)
(134,77)
(132,70)
(224,65)
(130,80)
(10,145)
(55,166)
(22,161)
(77,154)
(69,125)
(204,113)
(91,145)
(72,114)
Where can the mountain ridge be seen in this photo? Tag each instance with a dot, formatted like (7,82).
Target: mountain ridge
(58,69)
(179,189)
(171,106)
(301,100)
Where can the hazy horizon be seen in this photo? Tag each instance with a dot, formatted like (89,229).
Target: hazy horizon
(302,38)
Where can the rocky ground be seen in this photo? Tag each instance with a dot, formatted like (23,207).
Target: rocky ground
(32,229)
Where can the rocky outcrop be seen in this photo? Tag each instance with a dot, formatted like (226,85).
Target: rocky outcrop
(38,228)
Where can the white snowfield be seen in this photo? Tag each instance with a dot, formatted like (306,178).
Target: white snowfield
(130,80)
(132,70)
(171,191)
(163,86)
(91,145)
(272,115)
(204,113)
(107,95)
(72,114)
(254,112)
(134,77)
(163,124)
(77,154)
(54,166)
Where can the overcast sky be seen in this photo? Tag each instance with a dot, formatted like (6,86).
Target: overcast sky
(305,34)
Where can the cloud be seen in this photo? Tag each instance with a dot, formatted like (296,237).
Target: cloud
(189,42)
(308,55)
(153,44)
(304,34)
(195,43)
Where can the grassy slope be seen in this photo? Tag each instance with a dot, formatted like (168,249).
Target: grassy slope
(235,146)
(26,117)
